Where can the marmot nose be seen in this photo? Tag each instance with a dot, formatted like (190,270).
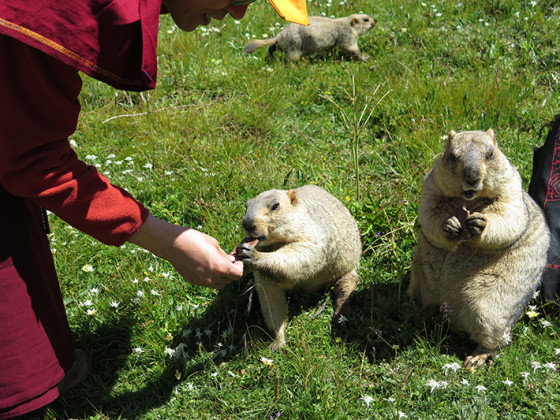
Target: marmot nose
(471,175)
(248,225)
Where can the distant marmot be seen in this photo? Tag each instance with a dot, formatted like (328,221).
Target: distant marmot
(321,35)
(306,239)
(482,242)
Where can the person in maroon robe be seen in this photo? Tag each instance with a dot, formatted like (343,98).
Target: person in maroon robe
(43,46)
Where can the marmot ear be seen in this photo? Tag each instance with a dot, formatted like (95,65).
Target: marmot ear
(452,134)
(354,22)
(490,132)
(292,196)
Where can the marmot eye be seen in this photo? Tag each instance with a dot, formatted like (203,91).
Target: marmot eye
(491,155)
(275,206)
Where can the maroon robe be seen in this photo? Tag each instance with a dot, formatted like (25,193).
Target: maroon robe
(43,44)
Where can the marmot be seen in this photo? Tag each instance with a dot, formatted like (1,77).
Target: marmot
(482,242)
(321,35)
(306,239)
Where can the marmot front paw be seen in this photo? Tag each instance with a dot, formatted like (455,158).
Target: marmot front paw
(476,224)
(246,252)
(452,228)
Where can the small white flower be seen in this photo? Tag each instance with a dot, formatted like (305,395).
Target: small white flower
(506,338)
(453,366)
(481,388)
(114,304)
(267,362)
(88,268)
(169,352)
(433,384)
(135,281)
(367,399)
(536,365)
(556,352)
(91,312)
(342,320)
(208,332)
(214,374)
(390,399)
(148,166)
(525,375)
(94,291)
(545,323)
(550,366)
(401,415)
(87,303)
(155,293)
(91,157)
(140,293)
(187,332)
(179,308)
(138,350)
(532,313)
(465,382)
(111,156)
(73,143)
(507,382)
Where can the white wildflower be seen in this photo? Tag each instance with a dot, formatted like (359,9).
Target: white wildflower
(267,362)
(170,352)
(94,291)
(536,365)
(114,304)
(545,323)
(155,293)
(367,399)
(507,382)
(140,293)
(453,366)
(465,382)
(401,415)
(525,375)
(433,384)
(88,268)
(550,366)
(148,166)
(138,350)
(481,388)
(91,312)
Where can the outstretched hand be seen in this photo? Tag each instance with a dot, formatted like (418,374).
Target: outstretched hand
(196,256)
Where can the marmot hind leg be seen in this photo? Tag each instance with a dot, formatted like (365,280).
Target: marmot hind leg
(272,299)
(343,288)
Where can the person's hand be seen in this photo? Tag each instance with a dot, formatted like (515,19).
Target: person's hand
(196,256)
(188,14)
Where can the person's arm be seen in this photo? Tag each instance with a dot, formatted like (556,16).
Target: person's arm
(195,255)
(39,109)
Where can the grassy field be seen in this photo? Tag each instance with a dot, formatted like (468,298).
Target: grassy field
(222,127)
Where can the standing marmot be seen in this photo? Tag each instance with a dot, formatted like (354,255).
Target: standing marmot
(306,239)
(322,34)
(482,241)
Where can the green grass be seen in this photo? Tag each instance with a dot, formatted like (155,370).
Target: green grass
(222,127)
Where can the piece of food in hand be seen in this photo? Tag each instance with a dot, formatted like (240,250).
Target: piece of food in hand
(461,213)
(250,241)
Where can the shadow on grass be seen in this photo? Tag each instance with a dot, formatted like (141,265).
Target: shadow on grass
(109,348)
(385,321)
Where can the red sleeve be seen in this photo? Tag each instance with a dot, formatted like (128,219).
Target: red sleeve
(39,109)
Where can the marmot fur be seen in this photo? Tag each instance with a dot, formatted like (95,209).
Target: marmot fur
(321,35)
(306,239)
(482,242)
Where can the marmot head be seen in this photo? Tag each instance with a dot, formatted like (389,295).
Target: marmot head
(273,216)
(362,23)
(472,166)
